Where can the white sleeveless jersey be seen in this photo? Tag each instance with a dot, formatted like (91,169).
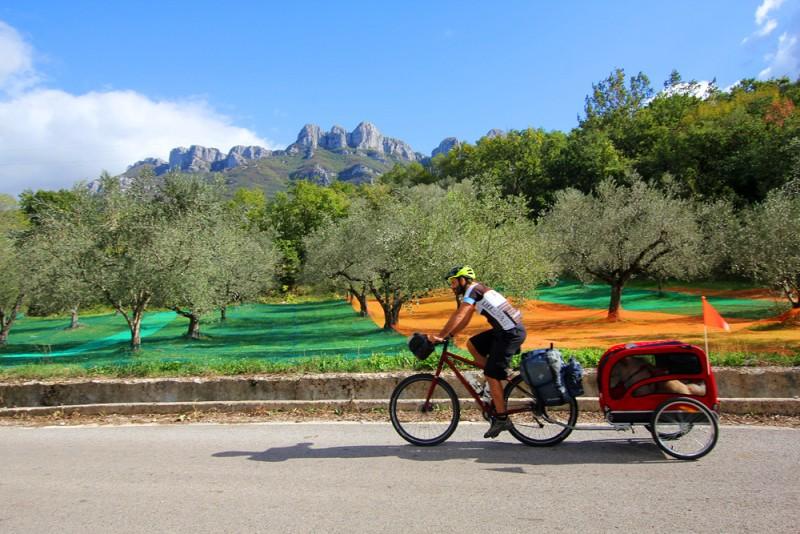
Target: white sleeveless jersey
(494,306)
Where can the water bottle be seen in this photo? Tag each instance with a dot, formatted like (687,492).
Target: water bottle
(473,381)
(486,393)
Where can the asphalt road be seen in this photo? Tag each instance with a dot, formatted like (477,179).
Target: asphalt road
(361,477)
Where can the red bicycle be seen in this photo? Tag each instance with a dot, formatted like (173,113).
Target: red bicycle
(668,387)
(425,409)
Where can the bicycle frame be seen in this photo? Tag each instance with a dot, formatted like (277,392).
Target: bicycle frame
(449,359)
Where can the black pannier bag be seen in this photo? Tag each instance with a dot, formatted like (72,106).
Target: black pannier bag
(420,346)
(541,369)
(572,376)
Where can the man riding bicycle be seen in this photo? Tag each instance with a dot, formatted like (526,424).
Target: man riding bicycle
(493,348)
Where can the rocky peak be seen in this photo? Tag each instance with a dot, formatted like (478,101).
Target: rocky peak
(398,149)
(155,162)
(239,155)
(365,137)
(250,152)
(194,159)
(446,146)
(494,132)
(336,139)
(309,136)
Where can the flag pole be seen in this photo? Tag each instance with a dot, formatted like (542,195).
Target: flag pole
(712,317)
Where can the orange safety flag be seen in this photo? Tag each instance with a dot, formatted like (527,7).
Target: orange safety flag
(712,318)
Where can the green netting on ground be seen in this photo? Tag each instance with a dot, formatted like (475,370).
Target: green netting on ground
(596,296)
(278,332)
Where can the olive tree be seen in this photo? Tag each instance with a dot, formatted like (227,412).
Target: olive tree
(212,259)
(621,232)
(386,246)
(55,283)
(769,248)
(12,266)
(494,235)
(401,246)
(115,240)
(338,252)
(221,264)
(404,258)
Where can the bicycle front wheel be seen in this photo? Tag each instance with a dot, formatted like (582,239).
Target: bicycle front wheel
(424,409)
(537,425)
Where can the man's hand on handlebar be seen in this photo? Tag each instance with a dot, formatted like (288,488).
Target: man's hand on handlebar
(434,338)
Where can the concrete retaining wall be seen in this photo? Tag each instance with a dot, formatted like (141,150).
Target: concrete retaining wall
(758,390)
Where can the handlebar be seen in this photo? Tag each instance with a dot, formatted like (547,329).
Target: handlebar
(446,342)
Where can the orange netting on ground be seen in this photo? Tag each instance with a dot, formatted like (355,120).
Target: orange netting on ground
(571,327)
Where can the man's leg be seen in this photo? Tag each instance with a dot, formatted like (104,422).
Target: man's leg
(495,385)
(496,388)
(502,350)
(479,358)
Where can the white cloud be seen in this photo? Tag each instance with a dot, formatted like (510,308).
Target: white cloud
(766,25)
(50,139)
(767,28)
(16,64)
(763,10)
(784,62)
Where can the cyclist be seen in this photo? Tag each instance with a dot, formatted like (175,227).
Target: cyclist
(493,348)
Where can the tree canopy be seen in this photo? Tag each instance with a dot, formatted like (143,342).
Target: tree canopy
(769,250)
(621,232)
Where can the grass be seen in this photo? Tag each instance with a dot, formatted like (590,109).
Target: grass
(330,364)
(236,367)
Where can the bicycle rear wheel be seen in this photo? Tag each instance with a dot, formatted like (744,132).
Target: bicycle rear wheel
(539,426)
(424,409)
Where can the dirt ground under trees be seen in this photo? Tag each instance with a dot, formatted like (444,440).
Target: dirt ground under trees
(570,327)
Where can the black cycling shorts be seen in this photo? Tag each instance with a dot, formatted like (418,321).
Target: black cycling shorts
(498,346)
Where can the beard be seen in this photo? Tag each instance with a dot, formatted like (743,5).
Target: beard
(460,290)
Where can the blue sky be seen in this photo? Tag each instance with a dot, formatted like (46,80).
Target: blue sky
(87,86)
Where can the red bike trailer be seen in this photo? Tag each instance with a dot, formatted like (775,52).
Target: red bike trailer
(669,387)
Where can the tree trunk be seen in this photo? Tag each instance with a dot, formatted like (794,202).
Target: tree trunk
(73,323)
(386,306)
(615,304)
(194,322)
(136,324)
(792,293)
(7,322)
(396,305)
(387,316)
(223,313)
(362,304)
(194,326)
(134,320)
(136,331)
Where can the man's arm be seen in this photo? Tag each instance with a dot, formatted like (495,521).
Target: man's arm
(457,322)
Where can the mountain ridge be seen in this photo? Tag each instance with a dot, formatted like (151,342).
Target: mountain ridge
(359,156)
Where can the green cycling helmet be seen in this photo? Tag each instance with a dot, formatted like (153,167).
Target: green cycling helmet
(461,270)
